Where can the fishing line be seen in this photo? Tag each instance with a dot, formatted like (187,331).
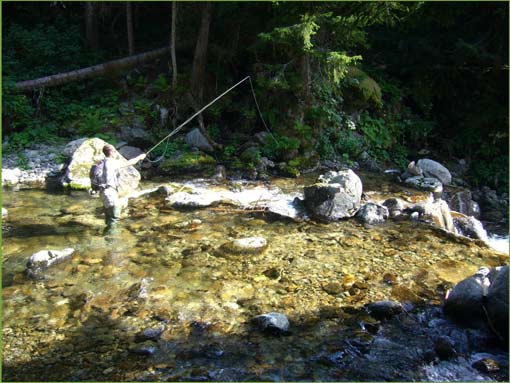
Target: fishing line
(176,130)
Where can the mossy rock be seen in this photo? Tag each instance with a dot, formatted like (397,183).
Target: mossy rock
(369,91)
(190,162)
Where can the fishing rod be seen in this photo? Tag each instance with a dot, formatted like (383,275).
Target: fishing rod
(176,130)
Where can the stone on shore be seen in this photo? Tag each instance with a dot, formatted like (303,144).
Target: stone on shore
(434,169)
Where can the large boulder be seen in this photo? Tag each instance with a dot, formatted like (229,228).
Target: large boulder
(196,139)
(481,298)
(336,195)
(86,152)
(497,299)
(465,301)
(434,169)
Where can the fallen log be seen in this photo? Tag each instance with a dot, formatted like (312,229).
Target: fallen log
(89,72)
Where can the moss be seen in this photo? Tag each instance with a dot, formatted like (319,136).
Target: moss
(76,186)
(288,170)
(368,89)
(189,162)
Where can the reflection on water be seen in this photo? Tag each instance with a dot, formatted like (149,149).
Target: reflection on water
(165,268)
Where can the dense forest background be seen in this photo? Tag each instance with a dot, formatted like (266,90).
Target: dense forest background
(349,81)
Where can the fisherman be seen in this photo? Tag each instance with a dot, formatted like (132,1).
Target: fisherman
(109,189)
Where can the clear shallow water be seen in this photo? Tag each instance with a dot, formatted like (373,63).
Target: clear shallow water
(162,272)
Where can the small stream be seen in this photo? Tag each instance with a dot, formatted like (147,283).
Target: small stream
(160,301)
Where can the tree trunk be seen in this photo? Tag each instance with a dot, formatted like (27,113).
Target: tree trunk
(93,71)
(172,45)
(200,58)
(130,34)
(91,26)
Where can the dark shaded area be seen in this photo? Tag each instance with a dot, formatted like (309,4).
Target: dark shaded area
(352,346)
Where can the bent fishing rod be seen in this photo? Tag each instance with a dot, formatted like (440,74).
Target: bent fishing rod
(176,130)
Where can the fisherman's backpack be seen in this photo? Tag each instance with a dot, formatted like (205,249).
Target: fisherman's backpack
(96,175)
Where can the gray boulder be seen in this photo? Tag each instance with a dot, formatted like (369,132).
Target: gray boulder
(86,152)
(470,227)
(129,152)
(196,139)
(466,299)
(480,298)
(434,169)
(372,213)
(274,323)
(43,259)
(497,299)
(336,195)
(136,133)
(414,170)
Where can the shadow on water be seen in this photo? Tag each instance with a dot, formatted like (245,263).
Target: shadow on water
(336,344)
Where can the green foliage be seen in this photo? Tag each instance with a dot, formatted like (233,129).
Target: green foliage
(376,132)
(169,149)
(161,84)
(338,63)
(251,157)
(36,134)
(279,146)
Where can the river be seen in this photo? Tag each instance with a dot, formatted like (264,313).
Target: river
(159,300)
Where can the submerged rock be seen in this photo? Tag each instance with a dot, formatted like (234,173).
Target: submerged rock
(372,213)
(336,195)
(384,309)
(274,323)
(43,259)
(250,245)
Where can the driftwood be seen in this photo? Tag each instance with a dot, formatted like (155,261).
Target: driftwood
(93,71)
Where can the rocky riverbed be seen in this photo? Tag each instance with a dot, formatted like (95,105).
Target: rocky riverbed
(173,295)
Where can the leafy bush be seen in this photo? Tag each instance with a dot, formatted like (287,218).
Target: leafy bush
(276,147)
